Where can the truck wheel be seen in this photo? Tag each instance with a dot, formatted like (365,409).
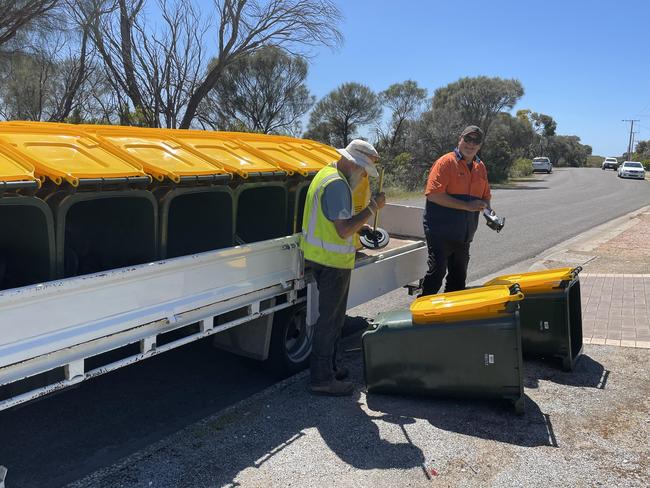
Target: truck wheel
(291,340)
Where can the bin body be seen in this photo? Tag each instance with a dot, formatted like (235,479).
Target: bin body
(551,325)
(194,220)
(466,359)
(102,230)
(297,197)
(261,211)
(27,253)
(550,314)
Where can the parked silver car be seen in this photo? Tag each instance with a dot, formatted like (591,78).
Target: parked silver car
(631,169)
(542,164)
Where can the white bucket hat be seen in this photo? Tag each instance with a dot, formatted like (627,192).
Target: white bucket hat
(360,152)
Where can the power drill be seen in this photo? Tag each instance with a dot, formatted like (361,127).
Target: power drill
(493,221)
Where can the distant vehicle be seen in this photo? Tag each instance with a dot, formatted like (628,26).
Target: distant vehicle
(542,164)
(631,169)
(610,163)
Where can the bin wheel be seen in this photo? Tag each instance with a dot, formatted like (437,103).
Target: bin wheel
(291,340)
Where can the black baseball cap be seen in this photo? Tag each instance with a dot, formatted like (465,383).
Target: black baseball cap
(470,129)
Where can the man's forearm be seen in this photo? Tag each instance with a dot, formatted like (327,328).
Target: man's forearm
(347,227)
(446,200)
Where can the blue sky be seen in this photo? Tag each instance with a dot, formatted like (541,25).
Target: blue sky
(585,63)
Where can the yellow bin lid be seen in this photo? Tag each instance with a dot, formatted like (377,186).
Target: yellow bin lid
(16,168)
(159,154)
(471,304)
(539,281)
(224,149)
(287,152)
(62,152)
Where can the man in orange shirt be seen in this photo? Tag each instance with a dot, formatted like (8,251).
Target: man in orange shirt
(457,191)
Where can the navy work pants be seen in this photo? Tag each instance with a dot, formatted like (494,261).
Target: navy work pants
(445,257)
(333,286)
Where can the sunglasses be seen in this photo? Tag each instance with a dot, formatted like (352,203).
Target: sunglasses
(472,140)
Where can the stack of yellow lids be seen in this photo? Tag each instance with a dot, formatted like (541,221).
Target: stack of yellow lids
(539,281)
(72,153)
(156,150)
(61,152)
(293,155)
(16,169)
(471,304)
(227,151)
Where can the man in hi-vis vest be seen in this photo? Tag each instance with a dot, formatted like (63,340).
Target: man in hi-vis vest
(329,225)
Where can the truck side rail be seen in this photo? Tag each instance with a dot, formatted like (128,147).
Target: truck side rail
(62,323)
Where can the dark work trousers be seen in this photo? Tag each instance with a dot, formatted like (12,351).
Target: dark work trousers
(445,257)
(333,286)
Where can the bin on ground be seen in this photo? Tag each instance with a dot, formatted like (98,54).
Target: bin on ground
(26,224)
(195,203)
(551,313)
(103,216)
(460,344)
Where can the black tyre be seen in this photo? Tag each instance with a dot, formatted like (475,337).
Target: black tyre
(291,340)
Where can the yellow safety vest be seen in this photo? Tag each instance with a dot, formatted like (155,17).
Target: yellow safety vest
(320,242)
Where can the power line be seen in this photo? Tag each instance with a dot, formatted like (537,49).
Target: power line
(641,112)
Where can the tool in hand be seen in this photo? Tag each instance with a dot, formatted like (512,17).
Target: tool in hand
(376,237)
(493,221)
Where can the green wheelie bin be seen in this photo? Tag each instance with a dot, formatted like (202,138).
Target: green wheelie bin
(460,344)
(550,314)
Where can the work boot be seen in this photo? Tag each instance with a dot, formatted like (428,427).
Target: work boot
(341,372)
(333,388)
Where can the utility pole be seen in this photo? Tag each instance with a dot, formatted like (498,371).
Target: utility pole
(633,137)
(629,143)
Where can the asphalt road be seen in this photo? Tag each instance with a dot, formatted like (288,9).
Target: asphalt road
(69,435)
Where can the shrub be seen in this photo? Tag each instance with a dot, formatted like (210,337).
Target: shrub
(521,167)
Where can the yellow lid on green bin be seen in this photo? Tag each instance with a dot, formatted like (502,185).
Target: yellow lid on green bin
(287,152)
(61,152)
(16,168)
(224,149)
(159,154)
(538,281)
(471,304)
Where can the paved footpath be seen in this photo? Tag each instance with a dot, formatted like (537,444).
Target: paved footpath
(615,283)
(616,309)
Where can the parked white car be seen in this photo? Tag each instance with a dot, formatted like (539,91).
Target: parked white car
(631,169)
(610,163)
(542,164)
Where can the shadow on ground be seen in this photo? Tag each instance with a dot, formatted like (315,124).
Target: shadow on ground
(491,420)
(587,373)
